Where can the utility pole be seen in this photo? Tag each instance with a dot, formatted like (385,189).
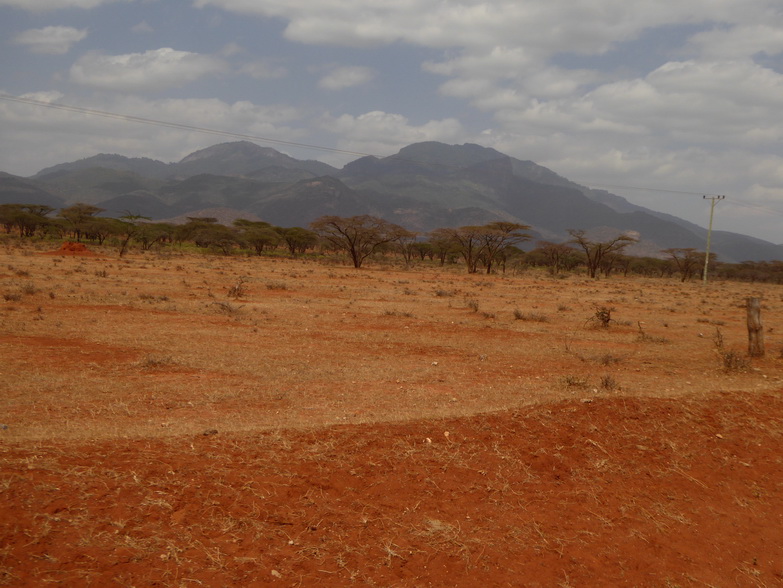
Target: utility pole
(713,201)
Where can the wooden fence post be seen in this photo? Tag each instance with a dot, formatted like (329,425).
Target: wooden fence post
(755,330)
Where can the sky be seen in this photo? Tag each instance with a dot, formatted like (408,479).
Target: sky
(661,102)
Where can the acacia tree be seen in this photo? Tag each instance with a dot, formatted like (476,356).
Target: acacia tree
(466,241)
(28,218)
(497,237)
(150,234)
(443,245)
(299,240)
(258,234)
(596,251)
(359,236)
(129,227)
(557,256)
(406,243)
(475,244)
(687,260)
(78,217)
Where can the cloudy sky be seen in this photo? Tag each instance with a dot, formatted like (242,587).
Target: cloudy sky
(658,101)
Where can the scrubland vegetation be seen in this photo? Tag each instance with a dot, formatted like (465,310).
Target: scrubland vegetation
(180,416)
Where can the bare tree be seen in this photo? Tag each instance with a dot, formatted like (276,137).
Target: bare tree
(467,241)
(687,260)
(406,243)
(557,255)
(485,243)
(596,251)
(359,236)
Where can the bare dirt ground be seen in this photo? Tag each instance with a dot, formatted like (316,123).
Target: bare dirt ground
(381,427)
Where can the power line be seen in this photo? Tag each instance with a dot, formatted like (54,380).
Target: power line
(262,139)
(734,201)
(594,185)
(173,125)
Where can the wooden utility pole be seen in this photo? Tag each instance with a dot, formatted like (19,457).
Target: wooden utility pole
(714,200)
(755,330)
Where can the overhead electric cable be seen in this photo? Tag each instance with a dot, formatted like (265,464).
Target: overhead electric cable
(600,185)
(173,125)
(262,139)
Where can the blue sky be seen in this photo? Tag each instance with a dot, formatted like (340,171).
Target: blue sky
(664,101)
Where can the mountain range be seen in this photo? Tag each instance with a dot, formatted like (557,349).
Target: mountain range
(424,186)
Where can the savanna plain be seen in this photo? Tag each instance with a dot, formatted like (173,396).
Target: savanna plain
(184,420)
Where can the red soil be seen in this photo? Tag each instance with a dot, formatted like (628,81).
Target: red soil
(154,432)
(74,249)
(610,492)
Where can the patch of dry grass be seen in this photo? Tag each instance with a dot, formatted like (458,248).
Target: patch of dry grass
(169,345)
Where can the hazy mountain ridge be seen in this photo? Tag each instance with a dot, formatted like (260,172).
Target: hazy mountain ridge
(424,186)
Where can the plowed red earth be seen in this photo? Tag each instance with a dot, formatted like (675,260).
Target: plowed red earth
(341,428)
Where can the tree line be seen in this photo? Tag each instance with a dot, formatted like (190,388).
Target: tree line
(492,247)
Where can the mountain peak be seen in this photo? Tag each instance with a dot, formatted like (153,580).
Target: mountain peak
(242,158)
(234,150)
(435,153)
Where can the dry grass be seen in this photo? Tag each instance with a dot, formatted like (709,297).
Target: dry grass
(161,346)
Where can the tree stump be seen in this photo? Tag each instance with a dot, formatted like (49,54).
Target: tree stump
(755,330)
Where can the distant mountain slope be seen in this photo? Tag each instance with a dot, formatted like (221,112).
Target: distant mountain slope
(143,166)
(304,201)
(243,158)
(210,191)
(16,190)
(140,203)
(95,184)
(422,187)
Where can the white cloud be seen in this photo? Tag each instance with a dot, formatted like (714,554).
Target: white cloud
(142,28)
(678,95)
(545,26)
(46,5)
(263,69)
(152,70)
(230,49)
(382,133)
(346,77)
(738,41)
(51,133)
(54,40)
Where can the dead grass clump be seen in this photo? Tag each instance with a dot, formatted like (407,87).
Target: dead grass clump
(602,316)
(643,337)
(609,383)
(732,361)
(530,316)
(226,308)
(575,382)
(238,290)
(401,313)
(608,359)
(152,361)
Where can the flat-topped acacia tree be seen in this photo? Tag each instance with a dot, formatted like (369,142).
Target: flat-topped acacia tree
(596,251)
(483,243)
(359,236)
